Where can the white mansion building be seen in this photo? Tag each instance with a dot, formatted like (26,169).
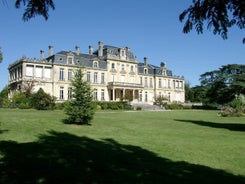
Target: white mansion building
(113,73)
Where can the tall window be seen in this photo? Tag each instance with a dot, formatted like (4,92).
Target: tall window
(62,74)
(132,68)
(132,79)
(69,93)
(160,83)
(151,84)
(141,80)
(69,60)
(70,74)
(140,96)
(102,78)
(146,85)
(61,93)
(88,76)
(112,65)
(47,72)
(95,77)
(123,67)
(95,94)
(29,70)
(146,97)
(102,95)
(39,71)
(112,78)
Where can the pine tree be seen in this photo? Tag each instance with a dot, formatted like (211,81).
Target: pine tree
(81,108)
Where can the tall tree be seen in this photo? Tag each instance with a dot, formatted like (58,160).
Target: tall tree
(81,108)
(221,86)
(35,7)
(220,15)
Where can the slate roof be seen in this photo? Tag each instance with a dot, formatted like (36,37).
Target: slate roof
(150,68)
(86,60)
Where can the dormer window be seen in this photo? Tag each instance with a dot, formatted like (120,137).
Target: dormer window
(70,61)
(122,53)
(95,64)
(145,71)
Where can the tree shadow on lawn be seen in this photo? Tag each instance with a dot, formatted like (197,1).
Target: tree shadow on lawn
(66,158)
(229,126)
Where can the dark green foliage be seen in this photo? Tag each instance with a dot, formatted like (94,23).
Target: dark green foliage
(222,85)
(4,102)
(20,100)
(61,105)
(114,105)
(42,101)
(81,108)
(220,15)
(236,107)
(35,7)
(173,106)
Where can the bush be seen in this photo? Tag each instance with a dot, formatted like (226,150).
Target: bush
(42,101)
(228,111)
(19,100)
(60,105)
(138,108)
(173,106)
(114,105)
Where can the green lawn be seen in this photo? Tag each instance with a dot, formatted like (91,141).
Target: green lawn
(122,147)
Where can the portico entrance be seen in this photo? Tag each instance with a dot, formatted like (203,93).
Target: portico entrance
(119,91)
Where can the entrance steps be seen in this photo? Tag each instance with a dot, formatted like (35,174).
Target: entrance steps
(146,106)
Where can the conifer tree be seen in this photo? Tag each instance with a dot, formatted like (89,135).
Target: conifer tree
(81,108)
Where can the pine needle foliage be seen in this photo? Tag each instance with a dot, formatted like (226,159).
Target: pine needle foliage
(80,109)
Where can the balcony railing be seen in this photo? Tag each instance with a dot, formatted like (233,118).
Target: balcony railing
(125,84)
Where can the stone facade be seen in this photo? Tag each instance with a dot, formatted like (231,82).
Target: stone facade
(114,74)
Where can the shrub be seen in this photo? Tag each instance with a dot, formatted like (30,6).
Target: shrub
(114,105)
(60,105)
(138,108)
(19,100)
(228,111)
(42,101)
(173,106)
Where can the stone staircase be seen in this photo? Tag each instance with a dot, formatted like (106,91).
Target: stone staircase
(146,106)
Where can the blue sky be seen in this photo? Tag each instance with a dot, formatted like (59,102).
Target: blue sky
(150,28)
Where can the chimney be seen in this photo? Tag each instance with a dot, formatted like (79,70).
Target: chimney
(41,54)
(100,50)
(50,50)
(91,49)
(77,50)
(145,61)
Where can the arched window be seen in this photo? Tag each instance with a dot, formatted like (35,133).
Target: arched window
(95,64)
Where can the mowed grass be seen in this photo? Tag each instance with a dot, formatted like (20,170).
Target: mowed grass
(122,147)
